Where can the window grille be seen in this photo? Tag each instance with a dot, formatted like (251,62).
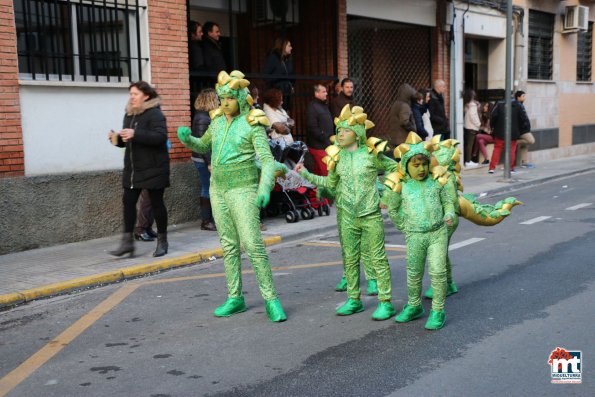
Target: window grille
(541,45)
(584,54)
(79,40)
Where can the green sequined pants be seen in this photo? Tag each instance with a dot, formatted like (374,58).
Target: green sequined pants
(369,272)
(238,220)
(433,246)
(366,232)
(451,230)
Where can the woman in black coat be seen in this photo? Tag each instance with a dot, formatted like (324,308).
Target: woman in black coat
(146,163)
(279,63)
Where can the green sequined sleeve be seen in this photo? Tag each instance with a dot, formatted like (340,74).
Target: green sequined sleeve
(392,200)
(267,163)
(447,199)
(385,164)
(330,182)
(199,145)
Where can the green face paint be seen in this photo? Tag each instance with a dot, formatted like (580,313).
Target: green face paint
(229,105)
(418,169)
(346,137)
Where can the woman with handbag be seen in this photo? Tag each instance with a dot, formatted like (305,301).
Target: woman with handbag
(146,163)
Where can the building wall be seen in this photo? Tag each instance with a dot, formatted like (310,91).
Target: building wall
(69,122)
(11,138)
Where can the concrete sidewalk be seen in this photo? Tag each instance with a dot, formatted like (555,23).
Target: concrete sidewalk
(43,272)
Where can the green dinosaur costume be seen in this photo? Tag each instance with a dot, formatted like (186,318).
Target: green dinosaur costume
(421,207)
(447,154)
(234,138)
(353,163)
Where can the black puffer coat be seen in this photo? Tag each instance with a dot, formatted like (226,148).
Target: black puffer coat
(200,124)
(146,160)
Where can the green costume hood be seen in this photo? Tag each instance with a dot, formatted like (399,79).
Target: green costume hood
(356,120)
(235,84)
(413,146)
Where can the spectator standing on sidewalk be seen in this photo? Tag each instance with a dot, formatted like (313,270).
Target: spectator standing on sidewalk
(143,230)
(526,137)
(519,122)
(344,97)
(280,64)
(485,136)
(418,107)
(320,127)
(195,52)
(206,101)
(213,54)
(426,115)
(440,123)
(401,116)
(471,126)
(146,163)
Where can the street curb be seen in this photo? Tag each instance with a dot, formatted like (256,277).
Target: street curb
(522,185)
(114,276)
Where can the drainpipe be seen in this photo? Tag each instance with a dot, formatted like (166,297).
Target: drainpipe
(519,50)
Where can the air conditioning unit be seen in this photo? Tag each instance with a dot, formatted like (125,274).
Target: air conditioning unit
(576,18)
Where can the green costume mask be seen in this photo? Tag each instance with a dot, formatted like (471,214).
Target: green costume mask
(236,191)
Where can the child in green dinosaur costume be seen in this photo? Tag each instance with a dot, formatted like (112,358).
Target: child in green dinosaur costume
(235,136)
(353,163)
(447,154)
(422,208)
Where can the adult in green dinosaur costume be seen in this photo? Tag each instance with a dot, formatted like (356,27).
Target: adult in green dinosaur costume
(447,154)
(353,163)
(421,207)
(234,138)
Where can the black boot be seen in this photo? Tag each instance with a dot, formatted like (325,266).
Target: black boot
(206,215)
(126,246)
(162,245)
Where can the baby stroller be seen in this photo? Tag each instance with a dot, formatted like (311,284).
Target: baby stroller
(293,196)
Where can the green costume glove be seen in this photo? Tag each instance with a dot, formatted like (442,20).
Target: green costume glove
(184,134)
(262,200)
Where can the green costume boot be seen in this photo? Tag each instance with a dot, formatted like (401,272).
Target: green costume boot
(350,307)
(230,307)
(436,320)
(384,311)
(451,289)
(275,311)
(342,286)
(409,313)
(372,287)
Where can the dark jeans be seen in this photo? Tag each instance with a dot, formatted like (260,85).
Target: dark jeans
(144,216)
(129,200)
(469,138)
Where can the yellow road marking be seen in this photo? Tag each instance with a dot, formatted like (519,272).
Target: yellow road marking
(43,355)
(20,373)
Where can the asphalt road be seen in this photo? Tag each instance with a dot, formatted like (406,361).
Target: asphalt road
(526,286)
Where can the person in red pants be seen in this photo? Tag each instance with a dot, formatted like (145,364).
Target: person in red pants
(519,122)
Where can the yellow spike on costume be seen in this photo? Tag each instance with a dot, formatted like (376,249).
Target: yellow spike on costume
(458,167)
(413,138)
(376,145)
(397,153)
(345,113)
(447,143)
(403,148)
(351,121)
(393,181)
(429,147)
(215,113)
(368,124)
(433,162)
(237,74)
(336,120)
(333,138)
(357,110)
(436,139)
(257,116)
(223,78)
(250,100)
(360,118)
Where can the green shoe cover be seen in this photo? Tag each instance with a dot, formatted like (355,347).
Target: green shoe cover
(342,286)
(429,293)
(372,287)
(409,313)
(384,311)
(350,307)
(451,289)
(275,311)
(436,320)
(230,307)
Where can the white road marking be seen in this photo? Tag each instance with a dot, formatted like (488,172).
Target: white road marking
(535,220)
(464,243)
(578,206)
